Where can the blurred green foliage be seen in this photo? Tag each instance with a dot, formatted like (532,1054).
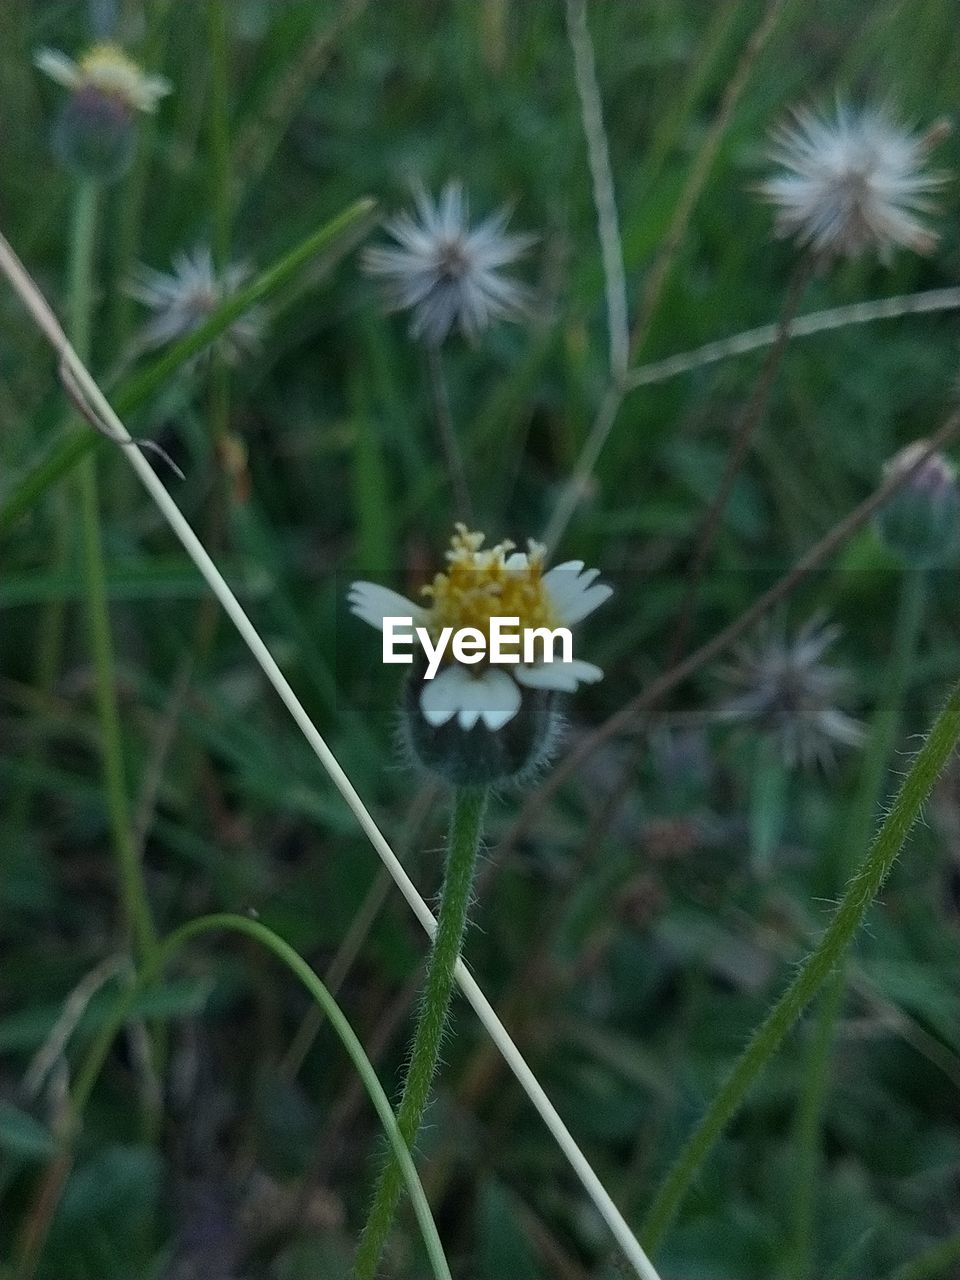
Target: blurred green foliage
(630,959)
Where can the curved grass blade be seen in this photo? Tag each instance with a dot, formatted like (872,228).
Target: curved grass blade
(299,967)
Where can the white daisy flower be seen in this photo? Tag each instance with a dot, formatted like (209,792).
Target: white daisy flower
(446,272)
(106,68)
(480,584)
(791,695)
(182,300)
(853,182)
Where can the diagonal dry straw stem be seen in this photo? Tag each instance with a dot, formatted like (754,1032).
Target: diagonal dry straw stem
(611,251)
(604,196)
(927,302)
(43,316)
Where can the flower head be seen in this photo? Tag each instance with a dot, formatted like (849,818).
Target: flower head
(95,135)
(446,272)
(853,182)
(480,722)
(788,692)
(920,523)
(182,300)
(108,70)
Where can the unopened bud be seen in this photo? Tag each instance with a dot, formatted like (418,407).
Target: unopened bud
(95,136)
(480,756)
(920,522)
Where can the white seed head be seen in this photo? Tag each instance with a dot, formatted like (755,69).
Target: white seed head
(446,272)
(787,692)
(183,299)
(853,182)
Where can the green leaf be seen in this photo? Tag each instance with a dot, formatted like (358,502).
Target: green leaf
(21,1135)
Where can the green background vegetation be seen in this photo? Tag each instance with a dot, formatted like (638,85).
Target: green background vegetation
(630,959)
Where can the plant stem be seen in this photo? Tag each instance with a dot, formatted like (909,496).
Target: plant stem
(133,890)
(466,829)
(815,970)
(816,1076)
(221,202)
(448,435)
(749,423)
(604,196)
(43,317)
(164,954)
(628,715)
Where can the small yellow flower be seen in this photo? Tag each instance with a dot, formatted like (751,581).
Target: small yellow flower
(106,68)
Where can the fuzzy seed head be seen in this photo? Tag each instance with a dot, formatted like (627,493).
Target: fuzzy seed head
(853,183)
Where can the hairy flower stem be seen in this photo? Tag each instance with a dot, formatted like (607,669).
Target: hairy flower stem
(876,762)
(815,971)
(132,888)
(466,829)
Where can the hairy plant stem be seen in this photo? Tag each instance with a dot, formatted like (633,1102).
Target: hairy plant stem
(133,890)
(46,321)
(93,1064)
(632,713)
(815,971)
(816,1076)
(466,830)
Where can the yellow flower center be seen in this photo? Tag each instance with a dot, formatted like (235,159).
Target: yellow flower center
(106,67)
(478,586)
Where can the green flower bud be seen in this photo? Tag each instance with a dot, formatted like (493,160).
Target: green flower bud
(921,521)
(95,136)
(479,756)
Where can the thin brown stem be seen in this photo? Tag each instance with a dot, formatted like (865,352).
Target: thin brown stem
(448,435)
(630,713)
(747,427)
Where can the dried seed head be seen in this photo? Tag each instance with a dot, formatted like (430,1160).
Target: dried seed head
(853,183)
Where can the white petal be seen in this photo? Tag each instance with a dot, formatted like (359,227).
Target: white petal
(572,591)
(373,603)
(562,676)
(152,89)
(490,696)
(441,697)
(58,67)
(589,599)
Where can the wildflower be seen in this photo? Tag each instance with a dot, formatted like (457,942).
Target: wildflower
(921,521)
(184,299)
(447,273)
(792,696)
(477,723)
(95,135)
(853,182)
(108,70)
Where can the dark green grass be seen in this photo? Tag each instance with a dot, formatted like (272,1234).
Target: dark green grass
(631,968)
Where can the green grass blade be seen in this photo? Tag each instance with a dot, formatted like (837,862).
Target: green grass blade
(65,455)
(299,967)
